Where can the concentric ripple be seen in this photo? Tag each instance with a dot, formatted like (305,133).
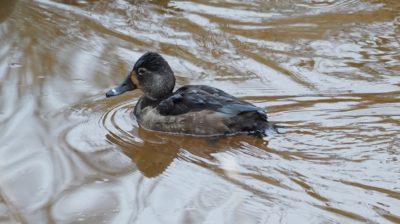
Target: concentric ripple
(120,123)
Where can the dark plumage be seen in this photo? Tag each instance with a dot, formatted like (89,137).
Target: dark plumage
(193,109)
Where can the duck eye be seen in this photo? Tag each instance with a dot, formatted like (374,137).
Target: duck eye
(141,71)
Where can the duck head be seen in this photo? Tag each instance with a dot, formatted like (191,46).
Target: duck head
(151,74)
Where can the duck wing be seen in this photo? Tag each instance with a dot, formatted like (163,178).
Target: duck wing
(199,97)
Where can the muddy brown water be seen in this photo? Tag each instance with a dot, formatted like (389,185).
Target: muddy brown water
(328,70)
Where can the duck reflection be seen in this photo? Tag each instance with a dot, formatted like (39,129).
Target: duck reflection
(158,150)
(6,9)
(76,2)
(163,3)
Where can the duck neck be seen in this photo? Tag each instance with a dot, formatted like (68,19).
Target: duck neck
(150,98)
(151,101)
(154,99)
(144,102)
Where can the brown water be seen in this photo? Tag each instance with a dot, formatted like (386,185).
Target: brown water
(328,70)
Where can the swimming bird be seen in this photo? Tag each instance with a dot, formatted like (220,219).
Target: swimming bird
(198,110)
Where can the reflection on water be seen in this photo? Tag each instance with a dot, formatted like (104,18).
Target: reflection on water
(326,70)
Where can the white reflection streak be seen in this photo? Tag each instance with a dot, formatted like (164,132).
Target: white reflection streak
(229,165)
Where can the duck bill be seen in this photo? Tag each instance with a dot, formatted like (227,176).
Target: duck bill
(125,86)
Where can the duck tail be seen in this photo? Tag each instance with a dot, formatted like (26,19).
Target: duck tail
(252,122)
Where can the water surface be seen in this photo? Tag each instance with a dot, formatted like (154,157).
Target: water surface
(327,70)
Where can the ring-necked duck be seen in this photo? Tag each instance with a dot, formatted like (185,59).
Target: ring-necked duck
(193,109)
